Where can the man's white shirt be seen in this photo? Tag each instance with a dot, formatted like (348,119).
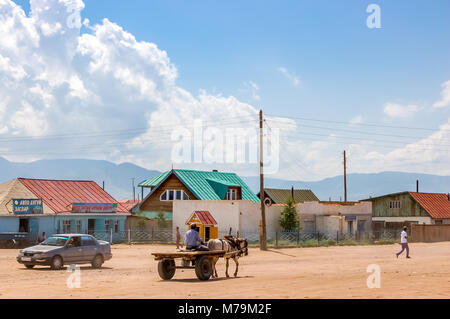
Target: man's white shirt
(404,235)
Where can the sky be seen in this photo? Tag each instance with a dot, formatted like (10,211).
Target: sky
(115,85)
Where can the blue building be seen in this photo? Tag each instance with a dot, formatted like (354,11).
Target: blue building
(35,206)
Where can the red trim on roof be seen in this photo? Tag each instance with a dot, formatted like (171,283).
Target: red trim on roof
(59,195)
(206,218)
(437,205)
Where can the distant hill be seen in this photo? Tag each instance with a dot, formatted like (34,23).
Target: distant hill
(117,178)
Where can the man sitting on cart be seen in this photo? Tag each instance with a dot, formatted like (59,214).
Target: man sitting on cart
(193,240)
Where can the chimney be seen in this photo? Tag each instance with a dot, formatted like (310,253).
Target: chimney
(417,186)
(215,171)
(448,197)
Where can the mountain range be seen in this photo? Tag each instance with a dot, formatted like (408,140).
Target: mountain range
(118,179)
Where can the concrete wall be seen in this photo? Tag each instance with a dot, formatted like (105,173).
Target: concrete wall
(430,233)
(226,213)
(245,216)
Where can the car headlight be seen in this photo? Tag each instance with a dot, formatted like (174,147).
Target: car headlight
(40,256)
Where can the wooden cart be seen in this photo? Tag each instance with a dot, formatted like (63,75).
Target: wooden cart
(202,262)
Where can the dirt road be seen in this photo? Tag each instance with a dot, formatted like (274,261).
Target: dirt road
(325,272)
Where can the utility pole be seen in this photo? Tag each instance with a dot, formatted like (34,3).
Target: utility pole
(263,235)
(345,177)
(134,191)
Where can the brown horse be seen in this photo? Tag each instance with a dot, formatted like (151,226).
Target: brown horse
(229,244)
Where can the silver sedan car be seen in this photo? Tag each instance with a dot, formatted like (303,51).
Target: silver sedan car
(66,249)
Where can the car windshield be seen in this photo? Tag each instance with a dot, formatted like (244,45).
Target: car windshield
(55,241)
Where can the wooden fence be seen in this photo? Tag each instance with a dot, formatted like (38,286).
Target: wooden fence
(430,233)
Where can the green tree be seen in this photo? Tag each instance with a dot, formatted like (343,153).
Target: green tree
(289,216)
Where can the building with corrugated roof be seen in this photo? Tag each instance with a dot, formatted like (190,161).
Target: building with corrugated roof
(393,211)
(280,196)
(59,206)
(181,184)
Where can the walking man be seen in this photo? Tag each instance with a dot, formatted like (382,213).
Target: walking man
(404,242)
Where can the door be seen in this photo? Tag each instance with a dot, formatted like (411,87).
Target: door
(207,234)
(73,254)
(89,247)
(33,229)
(91,226)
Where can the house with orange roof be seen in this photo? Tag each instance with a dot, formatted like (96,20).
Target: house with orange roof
(393,211)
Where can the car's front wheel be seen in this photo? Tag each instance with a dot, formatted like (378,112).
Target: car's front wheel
(56,263)
(97,262)
(29,266)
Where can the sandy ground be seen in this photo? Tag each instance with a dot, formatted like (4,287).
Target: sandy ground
(325,272)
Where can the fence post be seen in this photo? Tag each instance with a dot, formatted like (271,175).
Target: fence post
(318,239)
(129,236)
(276,239)
(337,236)
(153,238)
(298,236)
(111,237)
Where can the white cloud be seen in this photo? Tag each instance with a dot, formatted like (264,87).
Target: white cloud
(445,96)
(357,119)
(395,110)
(294,79)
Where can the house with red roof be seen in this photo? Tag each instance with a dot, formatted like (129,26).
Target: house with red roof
(393,211)
(35,206)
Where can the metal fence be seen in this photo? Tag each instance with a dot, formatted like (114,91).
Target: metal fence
(274,239)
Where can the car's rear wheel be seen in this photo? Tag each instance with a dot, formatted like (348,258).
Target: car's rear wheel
(29,266)
(97,262)
(56,263)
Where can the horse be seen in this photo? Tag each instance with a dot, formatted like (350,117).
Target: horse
(229,244)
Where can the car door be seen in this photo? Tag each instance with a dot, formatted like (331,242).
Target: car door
(73,254)
(89,247)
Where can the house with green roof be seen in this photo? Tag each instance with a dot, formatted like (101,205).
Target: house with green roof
(181,184)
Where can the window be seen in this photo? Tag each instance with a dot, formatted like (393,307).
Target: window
(87,241)
(438,221)
(231,194)
(79,226)
(107,225)
(67,226)
(394,204)
(116,226)
(171,195)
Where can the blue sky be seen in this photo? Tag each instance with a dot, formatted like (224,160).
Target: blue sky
(345,68)
(335,67)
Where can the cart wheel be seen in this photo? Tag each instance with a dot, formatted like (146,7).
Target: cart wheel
(203,267)
(166,269)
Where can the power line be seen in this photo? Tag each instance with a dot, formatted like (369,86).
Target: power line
(361,124)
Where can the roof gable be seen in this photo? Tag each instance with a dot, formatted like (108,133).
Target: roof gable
(204,217)
(437,205)
(205,185)
(59,195)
